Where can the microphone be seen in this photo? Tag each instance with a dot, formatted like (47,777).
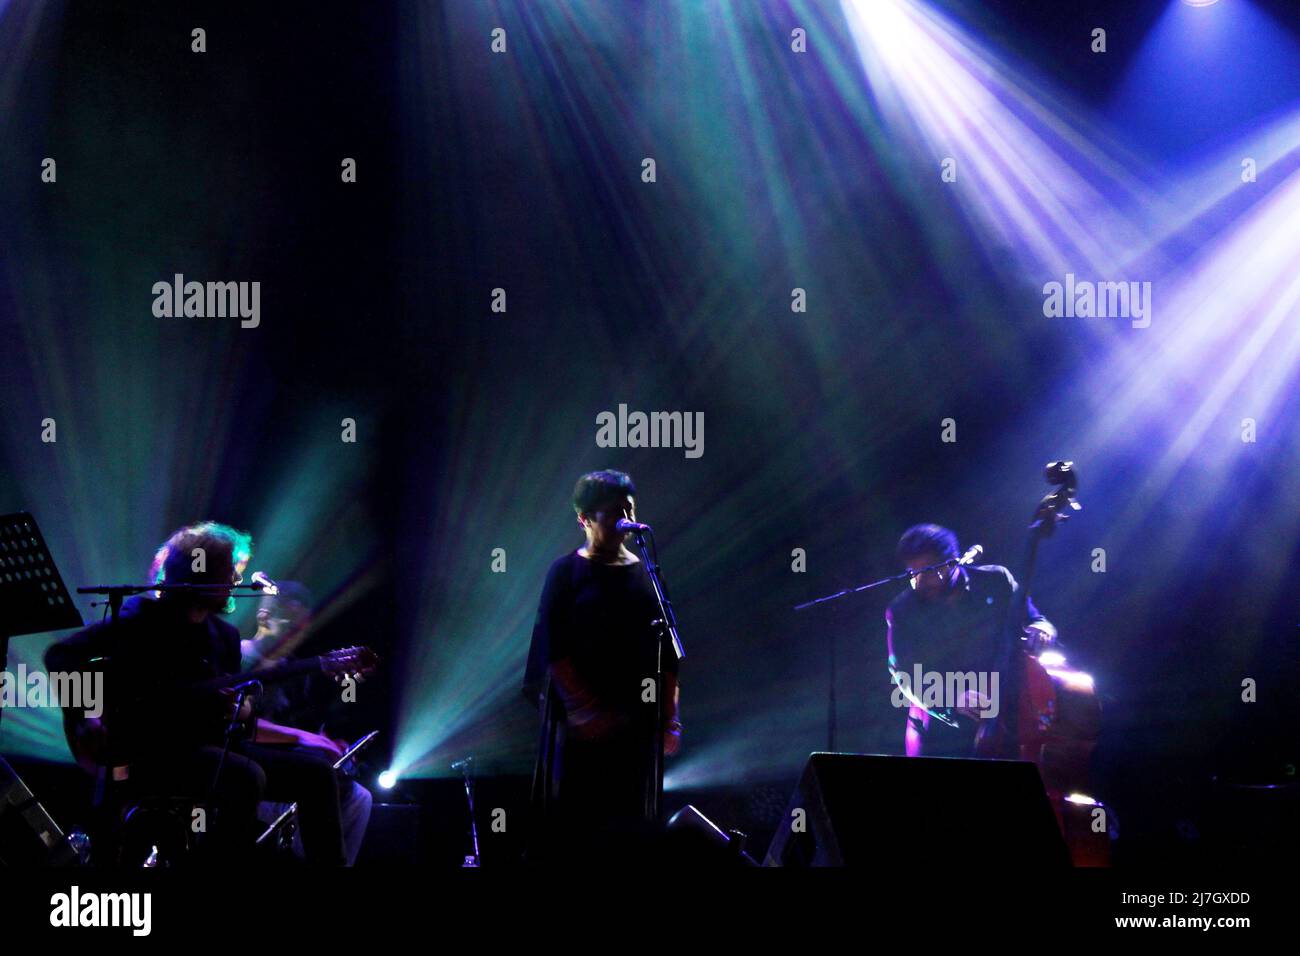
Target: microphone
(268,586)
(626,526)
(973,554)
(463,764)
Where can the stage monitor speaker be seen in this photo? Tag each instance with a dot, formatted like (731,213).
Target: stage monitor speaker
(929,812)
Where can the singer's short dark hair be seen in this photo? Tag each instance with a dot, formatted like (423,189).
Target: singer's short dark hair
(597,489)
(927,539)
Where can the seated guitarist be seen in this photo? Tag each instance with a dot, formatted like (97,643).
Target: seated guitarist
(173,742)
(949,623)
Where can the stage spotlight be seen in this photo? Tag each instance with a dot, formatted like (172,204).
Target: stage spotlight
(388,779)
(1200,3)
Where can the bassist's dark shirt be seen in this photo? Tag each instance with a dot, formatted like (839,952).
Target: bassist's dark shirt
(958,633)
(148,657)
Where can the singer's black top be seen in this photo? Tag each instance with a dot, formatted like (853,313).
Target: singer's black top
(597,617)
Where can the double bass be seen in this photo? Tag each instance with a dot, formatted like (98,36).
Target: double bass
(1054,717)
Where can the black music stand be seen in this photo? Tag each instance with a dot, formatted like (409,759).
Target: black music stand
(33,597)
(33,600)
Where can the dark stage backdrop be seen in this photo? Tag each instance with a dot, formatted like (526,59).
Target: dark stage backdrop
(501,273)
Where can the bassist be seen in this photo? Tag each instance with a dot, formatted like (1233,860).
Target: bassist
(948,622)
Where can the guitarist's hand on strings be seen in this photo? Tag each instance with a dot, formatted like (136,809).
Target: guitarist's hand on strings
(229,696)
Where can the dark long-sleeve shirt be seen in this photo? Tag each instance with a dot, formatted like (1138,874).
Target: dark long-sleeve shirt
(959,633)
(148,656)
(596,618)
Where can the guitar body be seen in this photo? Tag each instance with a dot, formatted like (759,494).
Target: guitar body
(93,743)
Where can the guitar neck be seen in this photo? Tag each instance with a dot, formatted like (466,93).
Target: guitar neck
(269,675)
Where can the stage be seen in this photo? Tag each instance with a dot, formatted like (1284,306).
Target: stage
(688,435)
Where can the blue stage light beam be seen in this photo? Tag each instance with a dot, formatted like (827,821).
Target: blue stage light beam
(1039,183)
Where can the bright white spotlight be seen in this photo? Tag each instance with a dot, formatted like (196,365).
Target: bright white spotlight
(1200,3)
(388,779)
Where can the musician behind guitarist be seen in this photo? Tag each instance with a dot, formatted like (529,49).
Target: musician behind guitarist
(284,621)
(949,622)
(170,741)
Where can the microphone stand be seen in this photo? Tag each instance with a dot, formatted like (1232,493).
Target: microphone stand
(665,626)
(875,584)
(242,692)
(830,688)
(280,827)
(117,592)
(466,767)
